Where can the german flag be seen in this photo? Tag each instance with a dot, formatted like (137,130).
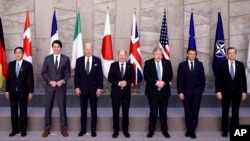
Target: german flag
(3,59)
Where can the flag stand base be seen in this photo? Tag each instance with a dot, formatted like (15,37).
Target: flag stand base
(135,90)
(107,88)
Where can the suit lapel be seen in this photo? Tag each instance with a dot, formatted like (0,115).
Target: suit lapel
(92,65)
(236,68)
(21,69)
(154,68)
(227,69)
(126,69)
(61,62)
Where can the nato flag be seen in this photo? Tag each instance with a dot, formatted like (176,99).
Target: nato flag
(219,46)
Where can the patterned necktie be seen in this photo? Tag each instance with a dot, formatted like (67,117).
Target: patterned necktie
(122,70)
(87,66)
(192,66)
(232,70)
(17,69)
(56,64)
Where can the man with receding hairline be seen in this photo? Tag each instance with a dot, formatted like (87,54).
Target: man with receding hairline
(231,88)
(88,81)
(121,75)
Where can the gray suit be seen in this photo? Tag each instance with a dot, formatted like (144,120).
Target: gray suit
(49,73)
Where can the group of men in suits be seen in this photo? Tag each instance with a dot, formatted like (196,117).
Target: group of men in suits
(88,81)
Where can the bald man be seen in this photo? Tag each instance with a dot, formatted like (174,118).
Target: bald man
(121,75)
(88,82)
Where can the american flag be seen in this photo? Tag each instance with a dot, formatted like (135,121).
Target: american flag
(135,53)
(164,38)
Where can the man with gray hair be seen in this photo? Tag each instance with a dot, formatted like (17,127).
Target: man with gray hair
(88,82)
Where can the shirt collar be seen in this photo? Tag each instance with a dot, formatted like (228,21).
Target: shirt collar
(90,57)
(59,55)
(20,61)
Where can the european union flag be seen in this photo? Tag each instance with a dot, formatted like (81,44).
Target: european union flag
(191,40)
(219,46)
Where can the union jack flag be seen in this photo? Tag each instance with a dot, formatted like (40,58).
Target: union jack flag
(163,44)
(135,53)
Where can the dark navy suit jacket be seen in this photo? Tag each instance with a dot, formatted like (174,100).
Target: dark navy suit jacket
(88,83)
(190,83)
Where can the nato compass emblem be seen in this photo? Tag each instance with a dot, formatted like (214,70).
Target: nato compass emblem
(220,49)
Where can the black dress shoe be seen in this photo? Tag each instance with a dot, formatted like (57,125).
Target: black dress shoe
(188,134)
(126,134)
(13,134)
(150,134)
(23,134)
(93,134)
(193,135)
(81,133)
(224,134)
(115,135)
(166,134)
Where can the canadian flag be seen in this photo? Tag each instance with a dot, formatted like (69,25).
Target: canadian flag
(107,52)
(27,47)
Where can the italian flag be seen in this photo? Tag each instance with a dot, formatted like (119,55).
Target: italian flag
(77,50)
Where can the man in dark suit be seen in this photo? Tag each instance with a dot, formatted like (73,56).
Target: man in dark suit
(190,86)
(157,74)
(88,81)
(230,87)
(121,75)
(19,88)
(56,72)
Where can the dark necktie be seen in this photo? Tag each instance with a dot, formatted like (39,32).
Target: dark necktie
(122,70)
(192,66)
(87,66)
(56,64)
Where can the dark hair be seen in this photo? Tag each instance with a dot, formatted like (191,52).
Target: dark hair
(19,48)
(231,48)
(57,42)
(191,49)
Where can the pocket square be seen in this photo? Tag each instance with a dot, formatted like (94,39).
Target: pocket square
(95,64)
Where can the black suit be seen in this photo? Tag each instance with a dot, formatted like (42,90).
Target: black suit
(19,88)
(88,84)
(231,90)
(192,85)
(157,98)
(121,96)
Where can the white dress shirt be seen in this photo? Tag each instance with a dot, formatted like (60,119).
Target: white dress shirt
(58,59)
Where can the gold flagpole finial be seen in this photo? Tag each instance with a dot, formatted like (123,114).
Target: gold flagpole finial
(164,9)
(27,8)
(107,8)
(192,10)
(135,10)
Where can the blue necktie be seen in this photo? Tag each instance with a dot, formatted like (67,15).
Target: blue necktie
(17,69)
(232,70)
(158,69)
